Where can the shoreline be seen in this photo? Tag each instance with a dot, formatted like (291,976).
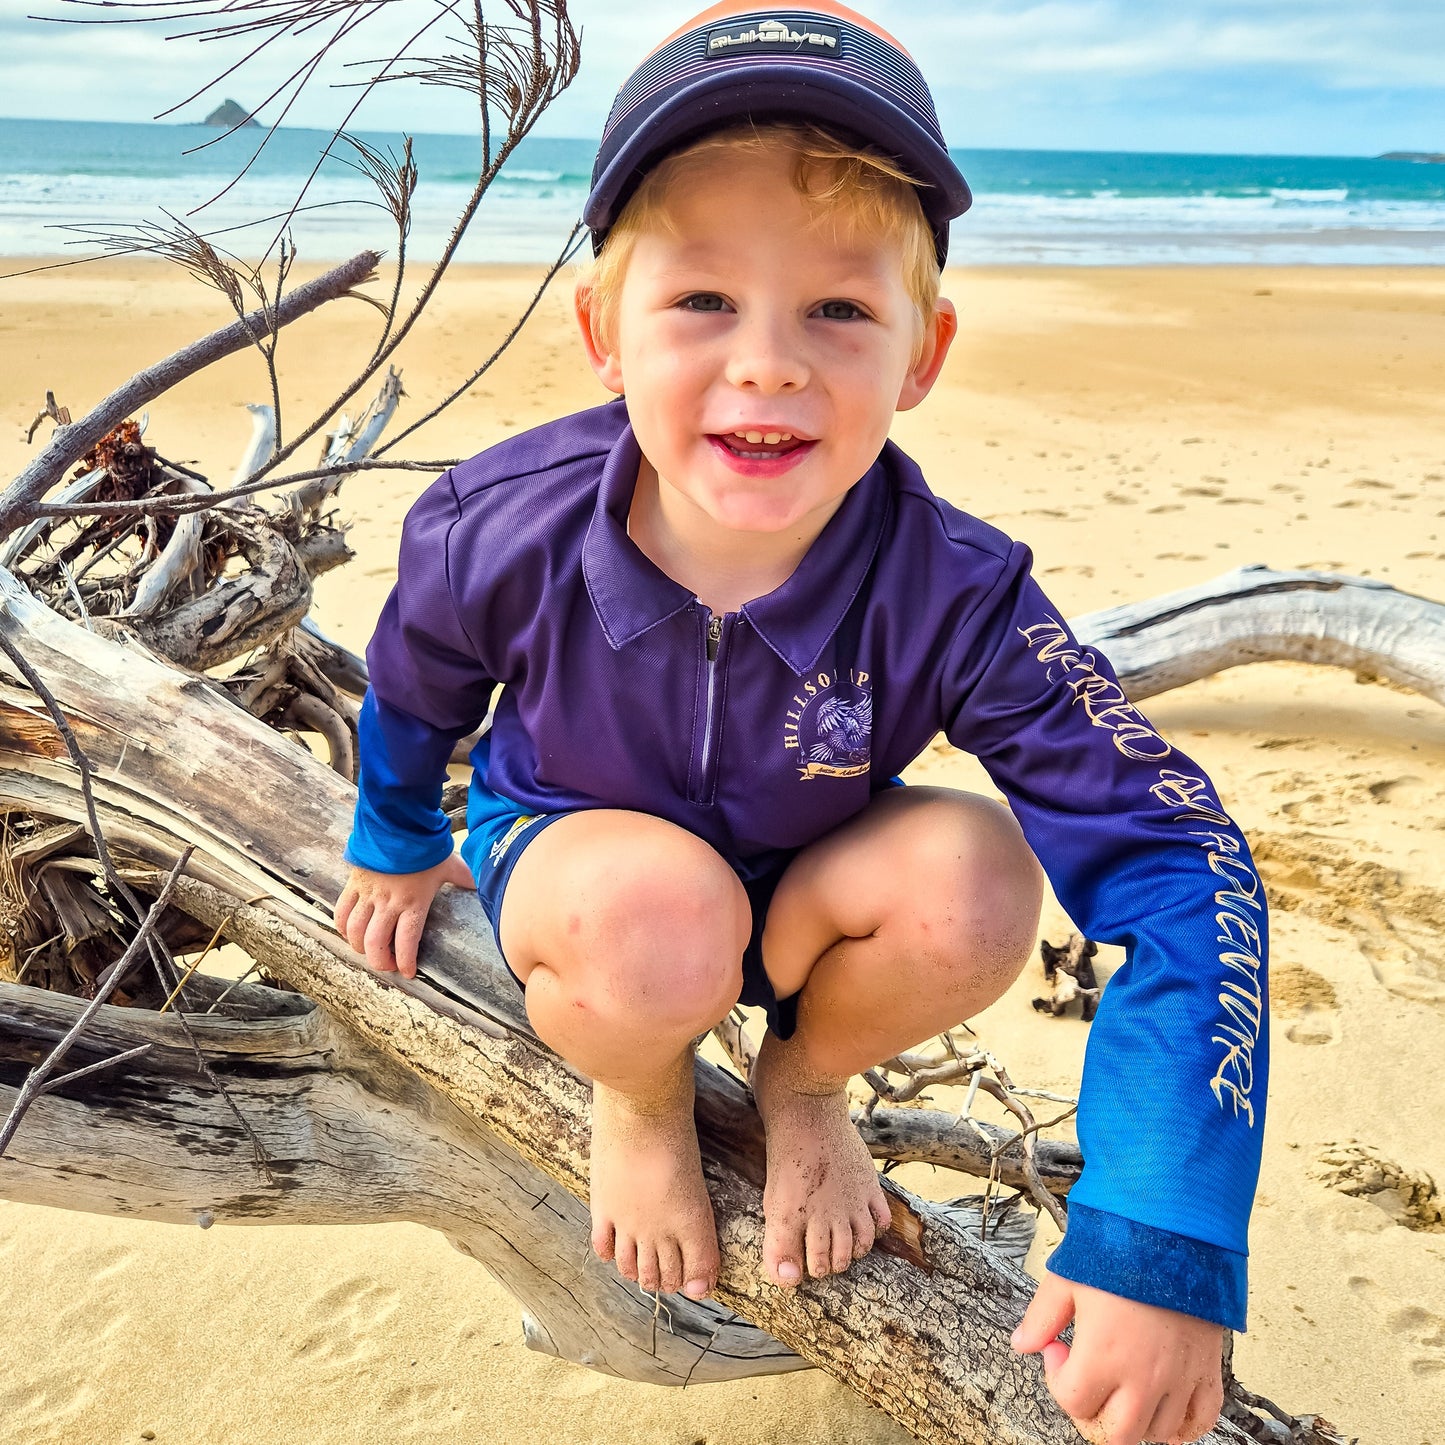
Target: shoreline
(1142,428)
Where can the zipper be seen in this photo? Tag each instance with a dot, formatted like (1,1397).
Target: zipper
(712,648)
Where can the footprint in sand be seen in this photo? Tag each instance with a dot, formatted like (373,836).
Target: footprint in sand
(1409,791)
(46,1399)
(1398,927)
(1306,1001)
(336,1326)
(1408,1196)
(1422,1331)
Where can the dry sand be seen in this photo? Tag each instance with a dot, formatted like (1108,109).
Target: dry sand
(1143,430)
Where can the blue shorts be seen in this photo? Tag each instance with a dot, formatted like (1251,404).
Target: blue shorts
(498,833)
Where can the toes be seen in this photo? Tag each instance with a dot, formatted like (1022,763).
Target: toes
(669,1266)
(865,1231)
(882,1214)
(626,1256)
(700,1265)
(649,1276)
(783,1253)
(843,1247)
(603,1239)
(818,1243)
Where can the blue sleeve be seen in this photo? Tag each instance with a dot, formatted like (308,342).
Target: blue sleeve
(1141,854)
(428,689)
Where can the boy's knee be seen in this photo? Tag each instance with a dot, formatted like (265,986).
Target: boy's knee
(970,861)
(666,932)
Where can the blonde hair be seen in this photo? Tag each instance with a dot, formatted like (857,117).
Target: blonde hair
(858,190)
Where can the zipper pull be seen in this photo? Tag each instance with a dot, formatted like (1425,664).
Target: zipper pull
(714,636)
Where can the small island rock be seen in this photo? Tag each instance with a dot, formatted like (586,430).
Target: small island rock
(229,114)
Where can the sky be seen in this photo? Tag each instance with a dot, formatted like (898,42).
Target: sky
(1296,77)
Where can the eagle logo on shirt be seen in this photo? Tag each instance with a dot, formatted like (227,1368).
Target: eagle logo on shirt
(830,725)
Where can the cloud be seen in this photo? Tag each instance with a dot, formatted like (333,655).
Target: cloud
(1392,43)
(1288,62)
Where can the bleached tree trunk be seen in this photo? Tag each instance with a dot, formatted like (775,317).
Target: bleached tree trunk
(1256,614)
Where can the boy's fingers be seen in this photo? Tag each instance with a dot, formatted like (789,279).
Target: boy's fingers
(1169,1417)
(1048,1314)
(1203,1412)
(379,933)
(1081,1393)
(343,908)
(356,922)
(1123,1419)
(408,939)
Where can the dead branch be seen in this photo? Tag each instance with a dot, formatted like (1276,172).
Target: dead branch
(60,415)
(237,613)
(944,1368)
(1069,972)
(1257,614)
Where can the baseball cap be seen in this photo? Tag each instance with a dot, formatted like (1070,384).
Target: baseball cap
(819,62)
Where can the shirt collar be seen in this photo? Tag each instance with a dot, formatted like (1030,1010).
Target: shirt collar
(629,592)
(631,595)
(797,619)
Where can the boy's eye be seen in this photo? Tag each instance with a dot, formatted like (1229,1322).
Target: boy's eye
(703,301)
(840,311)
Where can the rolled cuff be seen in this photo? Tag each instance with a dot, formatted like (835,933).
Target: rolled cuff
(391,851)
(1153,1266)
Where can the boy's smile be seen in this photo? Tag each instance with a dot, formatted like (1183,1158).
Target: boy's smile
(763,351)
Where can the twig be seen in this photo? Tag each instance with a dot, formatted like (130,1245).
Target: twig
(231,988)
(706,1349)
(204,955)
(60,415)
(171,505)
(574,240)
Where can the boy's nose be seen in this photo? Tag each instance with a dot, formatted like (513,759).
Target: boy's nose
(765,358)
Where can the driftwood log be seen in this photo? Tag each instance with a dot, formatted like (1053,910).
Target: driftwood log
(435,1102)
(177,763)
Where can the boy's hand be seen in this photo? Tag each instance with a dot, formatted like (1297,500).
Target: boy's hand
(382,914)
(1135,1371)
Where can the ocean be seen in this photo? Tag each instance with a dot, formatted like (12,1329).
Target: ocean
(60,181)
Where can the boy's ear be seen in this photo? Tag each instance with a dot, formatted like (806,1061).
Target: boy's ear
(937,338)
(601,354)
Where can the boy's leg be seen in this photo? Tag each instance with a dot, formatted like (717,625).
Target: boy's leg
(629,935)
(909,919)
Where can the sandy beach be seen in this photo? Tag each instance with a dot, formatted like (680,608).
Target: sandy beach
(1142,430)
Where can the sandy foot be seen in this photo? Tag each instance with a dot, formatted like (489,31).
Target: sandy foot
(823,1204)
(650,1210)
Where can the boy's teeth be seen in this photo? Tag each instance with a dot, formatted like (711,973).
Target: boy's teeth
(771,438)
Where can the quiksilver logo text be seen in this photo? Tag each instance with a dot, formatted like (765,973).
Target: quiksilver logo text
(771,33)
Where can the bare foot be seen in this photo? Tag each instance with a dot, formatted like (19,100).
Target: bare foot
(650,1210)
(823,1204)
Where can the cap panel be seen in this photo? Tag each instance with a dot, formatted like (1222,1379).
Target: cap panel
(870,60)
(824,8)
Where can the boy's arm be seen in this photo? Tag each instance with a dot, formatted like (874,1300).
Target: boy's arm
(1140,854)
(428,688)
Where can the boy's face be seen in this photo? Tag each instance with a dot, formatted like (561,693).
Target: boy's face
(749,320)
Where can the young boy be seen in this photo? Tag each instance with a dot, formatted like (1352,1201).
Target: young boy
(724,613)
